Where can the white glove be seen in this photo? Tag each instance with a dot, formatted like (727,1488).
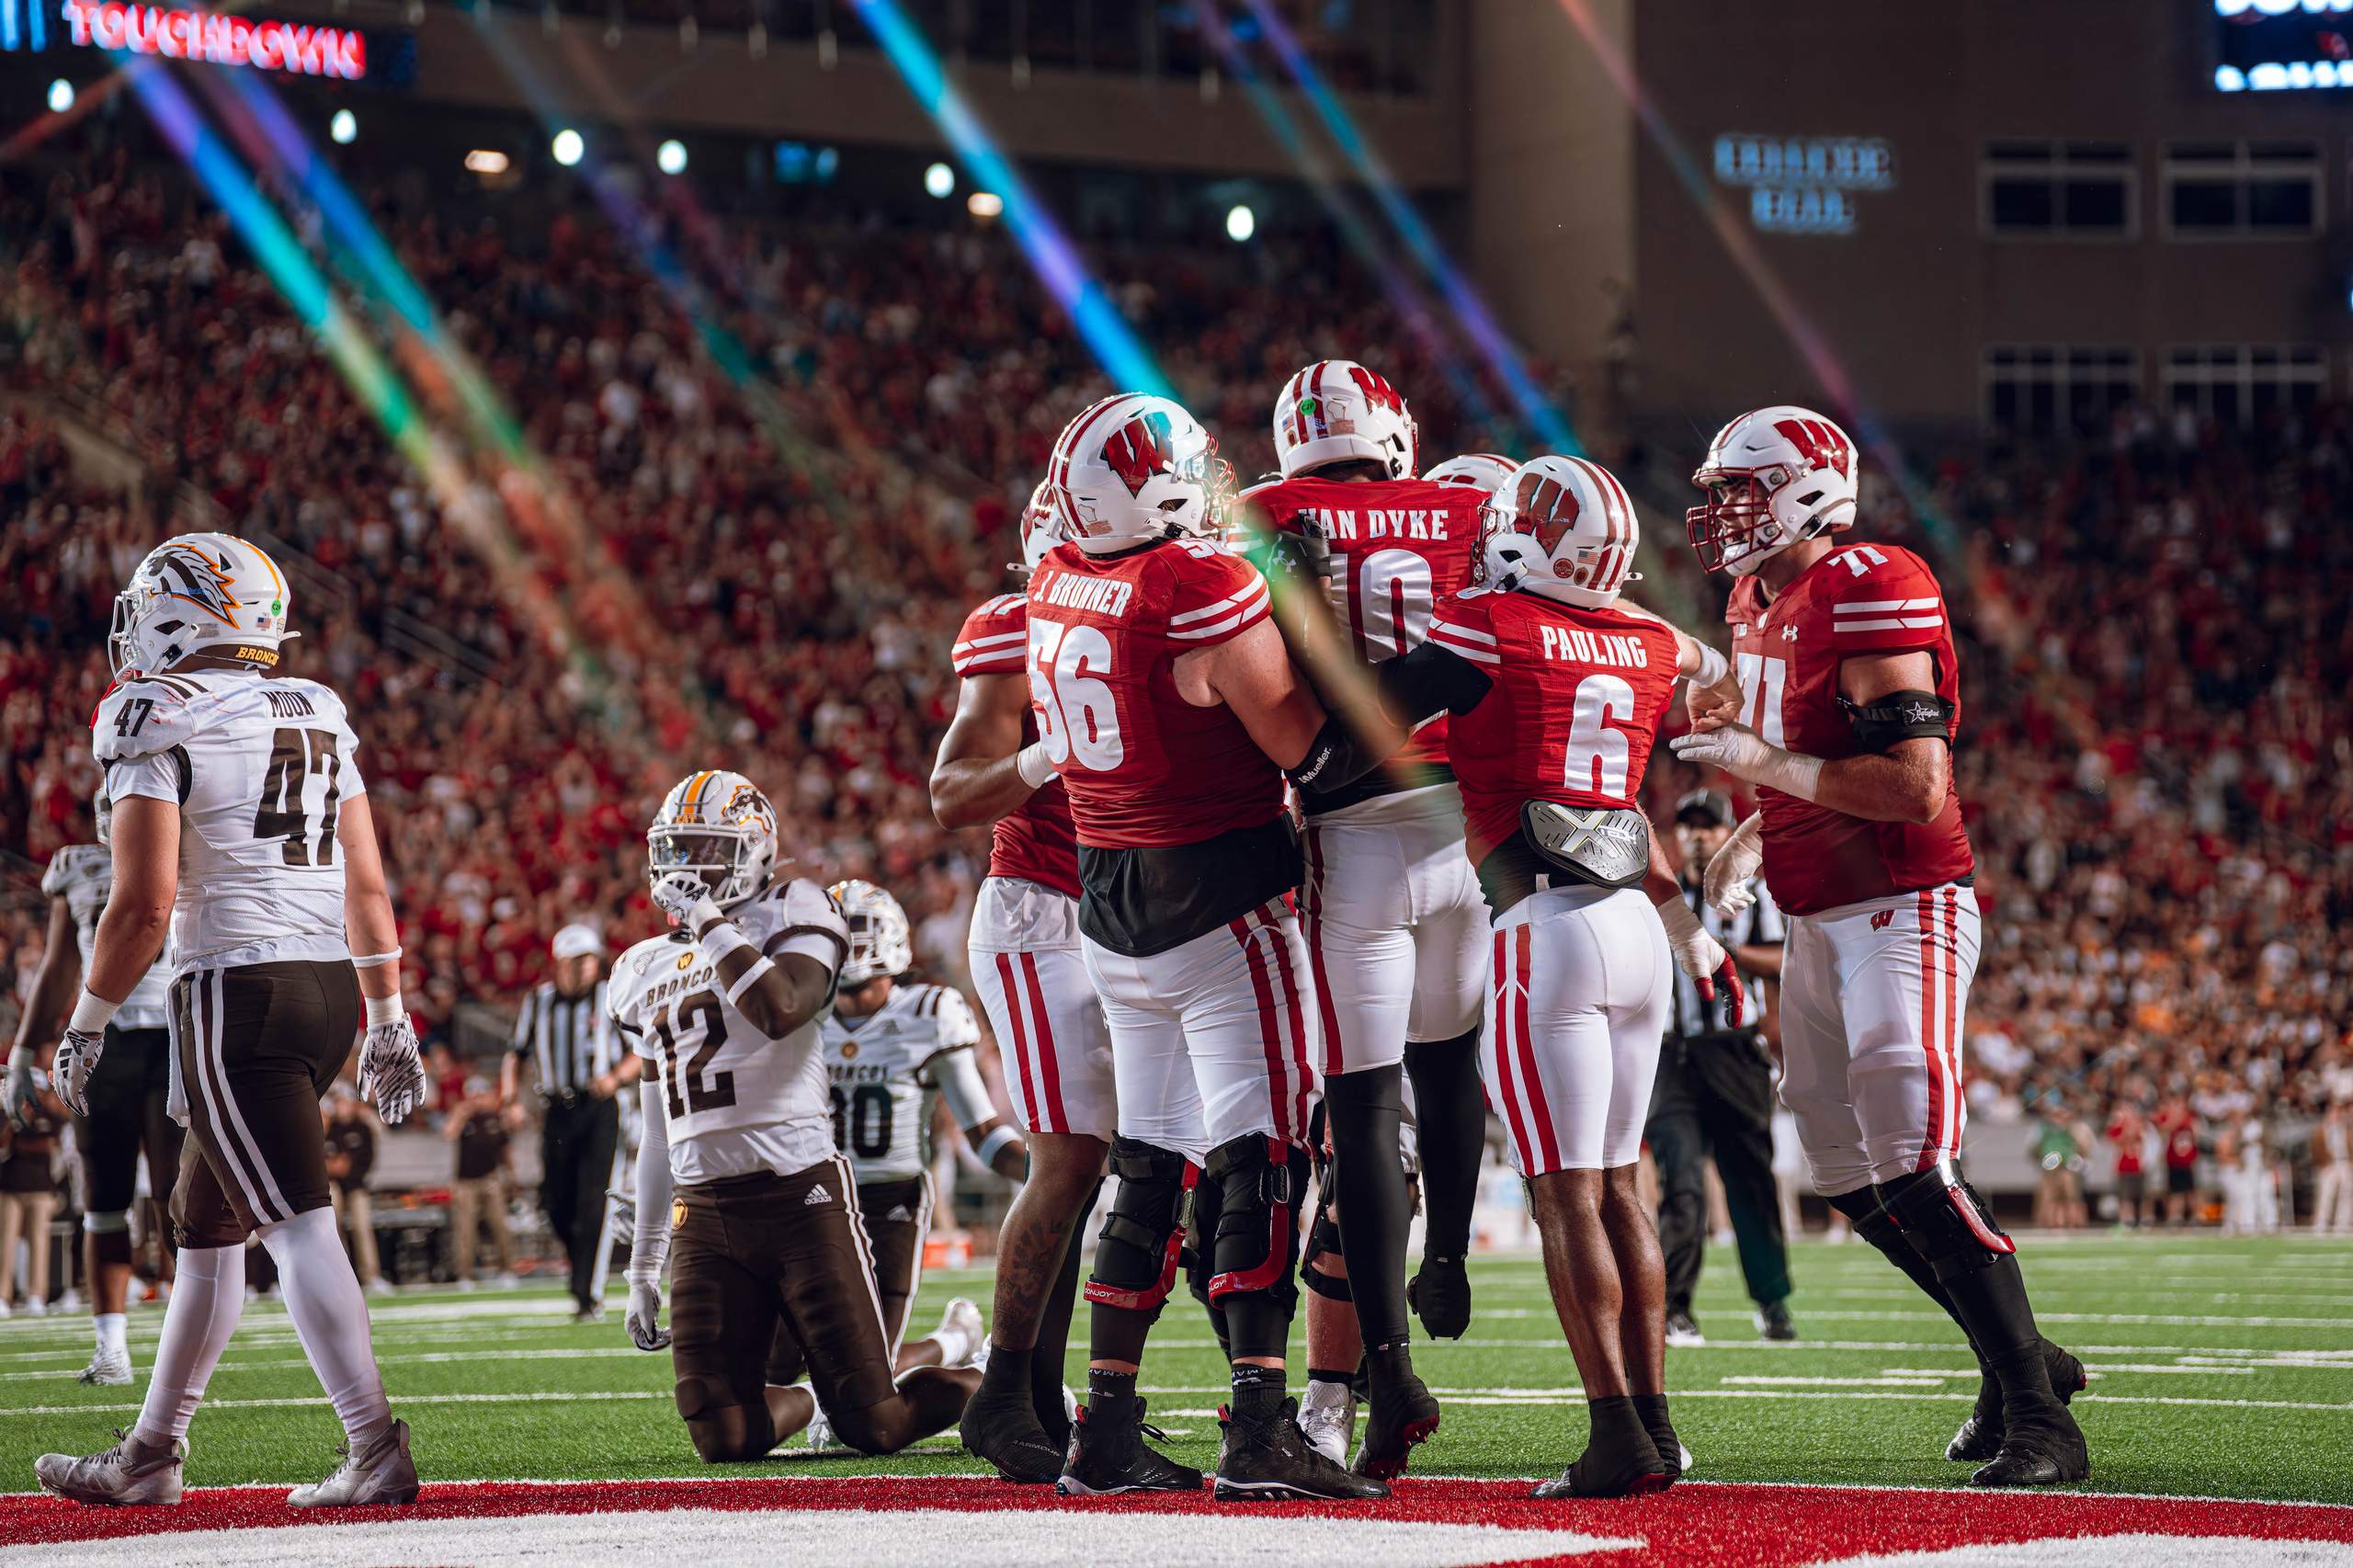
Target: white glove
(1746,755)
(77,1058)
(1702,957)
(645,1330)
(391,1075)
(16,1102)
(685,897)
(1732,867)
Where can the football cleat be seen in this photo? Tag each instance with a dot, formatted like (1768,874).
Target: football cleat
(1108,1455)
(1979,1437)
(1440,1293)
(964,1317)
(109,1367)
(1007,1433)
(2046,1449)
(1682,1333)
(1773,1322)
(381,1473)
(1403,1413)
(117,1478)
(1327,1419)
(1270,1460)
(820,1431)
(1631,1469)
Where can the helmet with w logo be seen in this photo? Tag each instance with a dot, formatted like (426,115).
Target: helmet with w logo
(1336,411)
(716,826)
(1772,478)
(199,593)
(1474,471)
(1562,527)
(1135,469)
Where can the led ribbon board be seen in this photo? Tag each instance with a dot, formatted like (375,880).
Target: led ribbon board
(1804,185)
(296,47)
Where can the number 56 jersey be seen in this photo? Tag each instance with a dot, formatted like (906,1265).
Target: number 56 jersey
(258,765)
(733,1100)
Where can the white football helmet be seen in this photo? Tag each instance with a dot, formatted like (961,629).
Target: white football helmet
(1042,529)
(1772,478)
(881,941)
(1336,411)
(1478,471)
(719,826)
(1133,469)
(1562,527)
(199,593)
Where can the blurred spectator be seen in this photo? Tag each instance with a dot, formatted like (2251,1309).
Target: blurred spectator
(478,1187)
(2178,1125)
(28,1198)
(351,1155)
(2128,1135)
(2058,1148)
(2332,1170)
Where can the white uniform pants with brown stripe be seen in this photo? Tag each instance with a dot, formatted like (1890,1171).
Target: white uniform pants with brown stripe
(1214,1039)
(1874,998)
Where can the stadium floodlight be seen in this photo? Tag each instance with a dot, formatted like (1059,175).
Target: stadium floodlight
(568,147)
(344,129)
(939,180)
(1240,223)
(985,204)
(670,157)
(486,161)
(61,96)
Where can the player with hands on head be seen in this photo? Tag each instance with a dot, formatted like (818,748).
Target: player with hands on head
(239,813)
(1850,699)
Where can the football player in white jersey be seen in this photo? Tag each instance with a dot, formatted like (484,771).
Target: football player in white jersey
(239,809)
(127,1091)
(889,1047)
(763,1239)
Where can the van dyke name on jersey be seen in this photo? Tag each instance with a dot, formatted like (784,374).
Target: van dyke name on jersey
(1576,644)
(1104,596)
(1347,526)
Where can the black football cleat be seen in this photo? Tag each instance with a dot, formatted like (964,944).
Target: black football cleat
(1404,1413)
(1440,1293)
(1979,1437)
(1671,1451)
(1108,1455)
(1268,1459)
(1006,1432)
(1773,1322)
(2046,1449)
(1619,1458)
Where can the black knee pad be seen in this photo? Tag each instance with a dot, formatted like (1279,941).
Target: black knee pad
(1945,1219)
(1262,1191)
(1324,1241)
(1137,1255)
(724,1432)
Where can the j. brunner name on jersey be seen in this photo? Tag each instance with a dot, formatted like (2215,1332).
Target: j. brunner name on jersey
(1104,596)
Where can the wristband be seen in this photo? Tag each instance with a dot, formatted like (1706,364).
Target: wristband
(1712,666)
(1033,765)
(703,914)
(1680,922)
(721,940)
(92,1013)
(748,979)
(995,1143)
(383,1010)
(1792,773)
(374,959)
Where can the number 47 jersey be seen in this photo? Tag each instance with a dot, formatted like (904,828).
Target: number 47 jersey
(258,765)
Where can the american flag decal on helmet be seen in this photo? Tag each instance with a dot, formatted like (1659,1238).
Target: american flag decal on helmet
(1139,449)
(1820,442)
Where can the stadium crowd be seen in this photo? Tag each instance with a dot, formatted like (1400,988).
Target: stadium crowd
(742,518)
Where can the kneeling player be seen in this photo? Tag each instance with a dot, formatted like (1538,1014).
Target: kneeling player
(1556,692)
(739,1125)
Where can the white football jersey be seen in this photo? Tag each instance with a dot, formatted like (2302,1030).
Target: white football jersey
(733,1100)
(259,766)
(884,1067)
(82,875)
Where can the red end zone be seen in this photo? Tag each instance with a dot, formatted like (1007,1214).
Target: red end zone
(1736,1527)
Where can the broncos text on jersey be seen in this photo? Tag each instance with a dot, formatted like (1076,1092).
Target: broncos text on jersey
(883,1071)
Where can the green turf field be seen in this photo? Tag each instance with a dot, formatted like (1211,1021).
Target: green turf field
(2220,1368)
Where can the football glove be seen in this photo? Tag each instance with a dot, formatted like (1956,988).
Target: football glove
(1732,867)
(1746,755)
(1700,955)
(21,1096)
(77,1058)
(645,1330)
(685,897)
(391,1075)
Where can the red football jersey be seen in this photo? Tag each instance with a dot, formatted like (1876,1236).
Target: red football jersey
(1144,767)
(1035,841)
(1398,546)
(1574,711)
(1866,599)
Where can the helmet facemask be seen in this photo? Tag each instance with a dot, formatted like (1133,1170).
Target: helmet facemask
(1734,528)
(728,859)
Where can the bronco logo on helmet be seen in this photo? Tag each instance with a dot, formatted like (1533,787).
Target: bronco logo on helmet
(196,577)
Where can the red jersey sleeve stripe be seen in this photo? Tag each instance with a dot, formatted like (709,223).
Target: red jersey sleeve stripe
(1470,650)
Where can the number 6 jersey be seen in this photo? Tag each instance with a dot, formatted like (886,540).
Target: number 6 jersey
(258,765)
(733,1100)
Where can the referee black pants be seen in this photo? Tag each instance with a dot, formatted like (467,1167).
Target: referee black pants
(576,1142)
(1714,1094)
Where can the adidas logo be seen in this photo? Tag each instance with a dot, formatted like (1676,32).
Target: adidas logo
(817,1195)
(898,1212)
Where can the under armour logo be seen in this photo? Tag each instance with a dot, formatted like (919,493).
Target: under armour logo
(1882,920)
(817,1195)
(1789,634)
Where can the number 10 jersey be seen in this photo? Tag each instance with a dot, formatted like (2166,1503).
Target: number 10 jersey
(259,767)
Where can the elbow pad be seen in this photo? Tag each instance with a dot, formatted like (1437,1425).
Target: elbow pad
(1334,759)
(1900,716)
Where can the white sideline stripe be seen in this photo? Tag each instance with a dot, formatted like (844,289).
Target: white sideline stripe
(1884,1380)
(406,1399)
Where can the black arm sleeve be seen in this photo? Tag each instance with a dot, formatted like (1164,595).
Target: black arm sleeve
(1428,679)
(1899,716)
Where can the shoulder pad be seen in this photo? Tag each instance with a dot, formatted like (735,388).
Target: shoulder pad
(802,904)
(71,861)
(142,716)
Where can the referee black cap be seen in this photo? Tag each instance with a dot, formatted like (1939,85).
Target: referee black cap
(1706,807)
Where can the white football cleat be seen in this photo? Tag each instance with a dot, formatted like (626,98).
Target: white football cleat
(117,1478)
(963,1317)
(108,1368)
(1327,1419)
(383,1472)
(820,1431)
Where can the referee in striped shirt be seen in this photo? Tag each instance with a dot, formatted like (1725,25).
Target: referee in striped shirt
(581,1065)
(1714,1094)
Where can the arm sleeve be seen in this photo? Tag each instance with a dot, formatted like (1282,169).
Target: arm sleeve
(1218,595)
(995,639)
(1893,604)
(650,1240)
(956,1024)
(524,1016)
(959,1078)
(1431,677)
(810,926)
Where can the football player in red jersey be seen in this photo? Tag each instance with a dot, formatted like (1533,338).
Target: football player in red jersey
(1850,694)
(1166,700)
(1555,692)
(1032,984)
(1396,934)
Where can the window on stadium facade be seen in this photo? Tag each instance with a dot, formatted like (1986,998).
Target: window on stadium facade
(2244,383)
(2062,190)
(2223,190)
(2045,389)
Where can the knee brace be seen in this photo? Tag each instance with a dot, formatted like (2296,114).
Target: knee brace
(1257,1224)
(1944,1220)
(724,1432)
(1144,1235)
(1324,1241)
